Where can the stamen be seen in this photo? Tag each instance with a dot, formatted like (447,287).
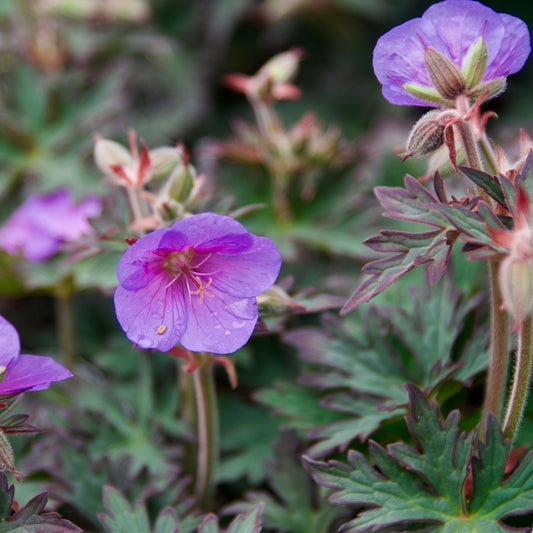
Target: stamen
(201,288)
(161,329)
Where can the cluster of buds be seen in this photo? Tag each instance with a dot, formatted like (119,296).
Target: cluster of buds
(305,149)
(162,180)
(450,82)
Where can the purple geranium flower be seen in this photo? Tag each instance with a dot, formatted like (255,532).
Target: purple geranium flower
(43,223)
(195,283)
(459,30)
(21,372)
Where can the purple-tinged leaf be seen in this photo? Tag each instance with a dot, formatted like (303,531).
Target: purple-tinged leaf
(432,248)
(488,183)
(31,518)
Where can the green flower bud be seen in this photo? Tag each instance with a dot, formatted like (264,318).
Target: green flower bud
(164,159)
(428,94)
(516,285)
(282,67)
(426,136)
(108,154)
(475,63)
(493,87)
(445,74)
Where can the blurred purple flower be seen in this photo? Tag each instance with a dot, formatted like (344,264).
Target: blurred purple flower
(21,372)
(453,28)
(194,283)
(44,222)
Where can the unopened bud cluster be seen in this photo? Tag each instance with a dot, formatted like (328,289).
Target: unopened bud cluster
(162,177)
(450,81)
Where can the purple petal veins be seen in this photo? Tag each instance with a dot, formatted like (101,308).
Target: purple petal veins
(450,27)
(195,283)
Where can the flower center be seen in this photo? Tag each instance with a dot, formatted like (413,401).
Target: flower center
(178,263)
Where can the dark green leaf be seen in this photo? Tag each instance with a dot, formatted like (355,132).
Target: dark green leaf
(409,488)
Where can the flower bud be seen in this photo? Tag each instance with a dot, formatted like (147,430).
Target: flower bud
(516,285)
(108,154)
(492,88)
(475,63)
(427,94)
(282,67)
(164,159)
(445,74)
(276,301)
(426,136)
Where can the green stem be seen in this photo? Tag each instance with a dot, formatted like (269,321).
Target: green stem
(208,433)
(499,349)
(488,153)
(187,411)
(137,209)
(521,377)
(65,324)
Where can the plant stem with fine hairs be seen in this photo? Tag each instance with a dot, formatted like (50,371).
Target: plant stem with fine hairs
(521,377)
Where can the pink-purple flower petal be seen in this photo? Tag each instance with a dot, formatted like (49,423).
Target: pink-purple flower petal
(9,343)
(153,316)
(219,323)
(31,373)
(245,274)
(206,227)
(43,223)
(19,373)
(139,264)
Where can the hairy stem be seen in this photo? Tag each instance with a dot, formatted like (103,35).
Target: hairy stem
(499,334)
(521,377)
(499,349)
(208,433)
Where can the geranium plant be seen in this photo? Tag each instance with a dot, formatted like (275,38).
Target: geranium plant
(223,377)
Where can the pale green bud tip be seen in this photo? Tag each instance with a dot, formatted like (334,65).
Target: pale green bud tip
(164,159)
(427,94)
(516,285)
(488,88)
(445,74)
(110,153)
(282,67)
(426,136)
(475,63)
